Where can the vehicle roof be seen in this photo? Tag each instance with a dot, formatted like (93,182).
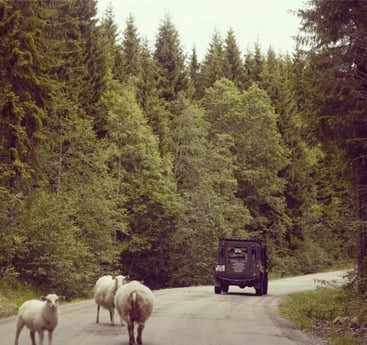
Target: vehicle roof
(239,239)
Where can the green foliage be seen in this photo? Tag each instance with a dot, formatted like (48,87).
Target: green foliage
(25,86)
(113,159)
(212,68)
(324,305)
(13,293)
(259,155)
(205,178)
(233,65)
(170,58)
(51,247)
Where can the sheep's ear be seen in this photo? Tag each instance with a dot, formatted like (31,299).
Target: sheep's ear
(43,298)
(61,298)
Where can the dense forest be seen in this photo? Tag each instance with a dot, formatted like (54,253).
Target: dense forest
(119,156)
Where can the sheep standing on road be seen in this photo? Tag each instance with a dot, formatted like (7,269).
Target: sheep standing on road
(38,316)
(134,303)
(104,294)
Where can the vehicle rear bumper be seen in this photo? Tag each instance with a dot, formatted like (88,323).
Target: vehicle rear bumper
(247,281)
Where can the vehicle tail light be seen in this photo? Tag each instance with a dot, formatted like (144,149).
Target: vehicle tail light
(260,267)
(220,268)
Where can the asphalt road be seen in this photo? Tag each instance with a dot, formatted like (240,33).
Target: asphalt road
(188,316)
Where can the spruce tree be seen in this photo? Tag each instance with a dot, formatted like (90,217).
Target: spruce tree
(254,61)
(194,69)
(233,65)
(212,67)
(168,53)
(26,88)
(148,97)
(336,34)
(130,51)
(93,57)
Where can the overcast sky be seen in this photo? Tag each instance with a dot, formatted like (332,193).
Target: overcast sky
(265,21)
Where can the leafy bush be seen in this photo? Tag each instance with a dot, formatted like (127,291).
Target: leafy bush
(52,257)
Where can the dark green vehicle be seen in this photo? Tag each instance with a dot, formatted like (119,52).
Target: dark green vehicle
(241,262)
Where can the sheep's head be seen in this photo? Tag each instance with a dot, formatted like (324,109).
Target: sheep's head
(120,280)
(51,300)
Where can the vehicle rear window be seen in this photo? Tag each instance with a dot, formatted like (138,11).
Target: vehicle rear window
(237,252)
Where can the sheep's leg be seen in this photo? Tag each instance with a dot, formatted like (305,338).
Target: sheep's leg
(112,314)
(130,327)
(97,318)
(20,325)
(50,333)
(140,332)
(40,332)
(33,337)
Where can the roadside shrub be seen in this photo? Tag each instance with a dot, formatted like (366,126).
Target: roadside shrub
(52,256)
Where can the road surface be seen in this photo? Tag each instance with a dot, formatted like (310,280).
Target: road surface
(188,316)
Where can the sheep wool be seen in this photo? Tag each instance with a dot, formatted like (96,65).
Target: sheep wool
(134,302)
(38,316)
(104,293)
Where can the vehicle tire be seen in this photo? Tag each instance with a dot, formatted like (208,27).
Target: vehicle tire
(265,285)
(217,289)
(259,291)
(225,287)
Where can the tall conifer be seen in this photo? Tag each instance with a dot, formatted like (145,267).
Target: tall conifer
(168,53)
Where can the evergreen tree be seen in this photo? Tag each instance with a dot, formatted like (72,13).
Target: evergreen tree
(130,51)
(233,65)
(109,33)
(93,57)
(194,69)
(253,65)
(169,55)
(146,192)
(148,96)
(212,67)
(336,33)
(26,87)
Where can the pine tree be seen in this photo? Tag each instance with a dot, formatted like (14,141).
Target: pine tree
(212,67)
(194,69)
(148,97)
(336,33)
(26,87)
(253,65)
(93,57)
(168,53)
(130,51)
(233,65)
(109,34)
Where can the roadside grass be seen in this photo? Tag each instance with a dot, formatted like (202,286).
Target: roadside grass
(316,310)
(12,294)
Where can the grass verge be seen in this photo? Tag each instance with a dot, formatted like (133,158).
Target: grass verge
(315,311)
(12,294)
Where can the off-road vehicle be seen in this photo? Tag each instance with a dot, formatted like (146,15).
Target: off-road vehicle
(241,262)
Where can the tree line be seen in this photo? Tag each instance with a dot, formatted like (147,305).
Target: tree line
(119,157)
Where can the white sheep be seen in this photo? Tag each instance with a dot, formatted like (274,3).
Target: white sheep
(38,316)
(104,293)
(134,302)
